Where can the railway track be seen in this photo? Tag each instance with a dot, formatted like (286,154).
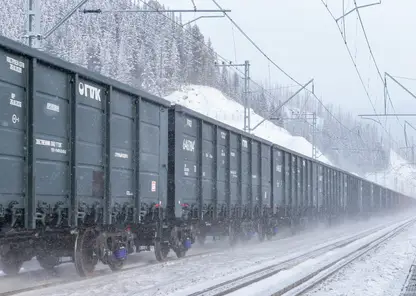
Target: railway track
(306,283)
(56,281)
(310,281)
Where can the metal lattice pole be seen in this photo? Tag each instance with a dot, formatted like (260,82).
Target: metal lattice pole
(246,93)
(247,97)
(314,136)
(33,23)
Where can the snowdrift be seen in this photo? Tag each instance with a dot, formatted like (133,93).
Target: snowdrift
(212,103)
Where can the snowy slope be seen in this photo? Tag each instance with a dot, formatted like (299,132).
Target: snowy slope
(212,103)
(399,176)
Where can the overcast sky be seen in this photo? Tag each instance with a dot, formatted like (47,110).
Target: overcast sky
(302,38)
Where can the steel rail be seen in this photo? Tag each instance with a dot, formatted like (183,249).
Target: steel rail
(246,280)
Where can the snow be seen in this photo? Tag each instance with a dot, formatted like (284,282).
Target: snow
(213,103)
(380,272)
(398,176)
(180,277)
(290,276)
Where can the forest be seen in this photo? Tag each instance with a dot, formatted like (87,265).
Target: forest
(156,52)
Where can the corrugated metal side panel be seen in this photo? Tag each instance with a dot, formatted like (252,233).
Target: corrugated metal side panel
(335,190)
(311,183)
(315,187)
(307,183)
(246,176)
(304,183)
(51,141)
(278,179)
(90,147)
(123,158)
(351,193)
(287,179)
(235,171)
(256,176)
(187,147)
(266,163)
(326,203)
(222,168)
(383,198)
(344,191)
(297,182)
(293,182)
(208,168)
(13,132)
(334,196)
(153,153)
(320,177)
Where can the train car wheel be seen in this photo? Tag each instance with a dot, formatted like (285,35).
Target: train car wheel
(201,239)
(10,265)
(85,258)
(161,251)
(260,231)
(116,265)
(232,235)
(180,253)
(48,262)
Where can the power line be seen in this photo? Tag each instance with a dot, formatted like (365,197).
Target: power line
(406,78)
(278,67)
(256,46)
(270,60)
(358,72)
(372,55)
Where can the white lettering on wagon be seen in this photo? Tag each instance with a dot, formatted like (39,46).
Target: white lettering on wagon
(188,145)
(89,91)
(56,147)
(121,155)
(15,102)
(52,107)
(15,65)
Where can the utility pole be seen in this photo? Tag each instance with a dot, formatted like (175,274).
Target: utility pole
(247,97)
(314,122)
(33,23)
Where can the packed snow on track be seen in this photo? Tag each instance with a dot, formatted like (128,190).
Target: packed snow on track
(381,272)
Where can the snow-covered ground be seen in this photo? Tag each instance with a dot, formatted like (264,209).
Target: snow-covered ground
(213,103)
(381,272)
(190,273)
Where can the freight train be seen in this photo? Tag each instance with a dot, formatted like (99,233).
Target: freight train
(95,170)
